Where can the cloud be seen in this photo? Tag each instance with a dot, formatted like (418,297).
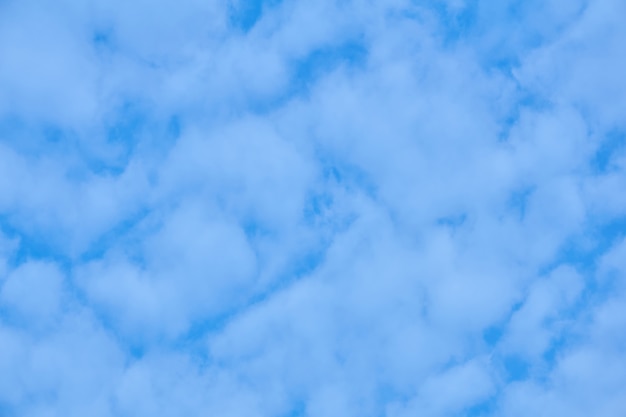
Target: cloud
(33,290)
(279,208)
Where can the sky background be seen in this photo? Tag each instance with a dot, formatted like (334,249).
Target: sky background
(325,208)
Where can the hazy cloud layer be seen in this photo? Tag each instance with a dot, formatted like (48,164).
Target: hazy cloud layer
(331,208)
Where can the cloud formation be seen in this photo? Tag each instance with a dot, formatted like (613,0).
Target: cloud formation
(331,208)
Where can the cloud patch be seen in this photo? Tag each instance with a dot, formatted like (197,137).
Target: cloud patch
(350,208)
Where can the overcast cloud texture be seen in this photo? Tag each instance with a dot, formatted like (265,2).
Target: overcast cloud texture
(329,208)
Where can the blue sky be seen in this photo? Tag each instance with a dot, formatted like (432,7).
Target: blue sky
(333,208)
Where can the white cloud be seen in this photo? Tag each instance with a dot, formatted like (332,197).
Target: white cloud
(49,73)
(451,391)
(347,208)
(34,289)
(535,325)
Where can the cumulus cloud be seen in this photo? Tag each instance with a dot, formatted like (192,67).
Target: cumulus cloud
(338,208)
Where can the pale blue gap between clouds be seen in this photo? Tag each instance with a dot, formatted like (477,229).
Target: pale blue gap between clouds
(312,209)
